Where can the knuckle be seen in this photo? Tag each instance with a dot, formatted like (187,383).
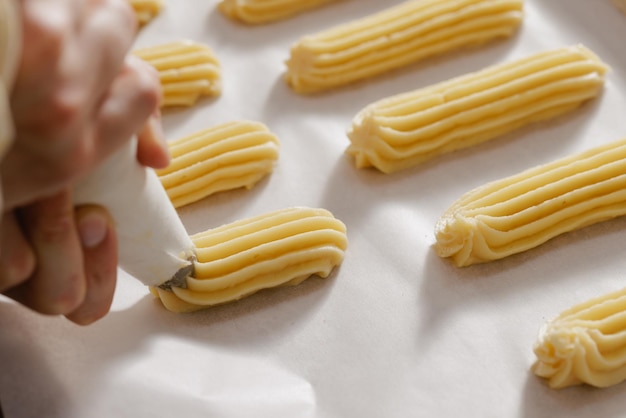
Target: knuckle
(64,111)
(56,227)
(147,84)
(123,13)
(70,298)
(45,33)
(18,269)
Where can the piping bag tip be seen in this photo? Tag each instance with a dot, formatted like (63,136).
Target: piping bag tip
(180,277)
(153,244)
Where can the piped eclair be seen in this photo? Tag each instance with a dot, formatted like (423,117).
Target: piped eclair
(255,12)
(283,247)
(146,10)
(187,70)
(224,157)
(523,211)
(585,344)
(402,131)
(396,37)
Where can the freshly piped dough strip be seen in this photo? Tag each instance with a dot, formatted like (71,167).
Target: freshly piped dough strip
(225,157)
(146,10)
(585,344)
(523,211)
(621,5)
(396,37)
(283,247)
(187,70)
(255,12)
(405,130)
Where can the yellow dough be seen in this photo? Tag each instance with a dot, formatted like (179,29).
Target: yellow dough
(585,344)
(396,37)
(521,212)
(224,157)
(404,130)
(187,70)
(620,4)
(265,11)
(278,248)
(146,10)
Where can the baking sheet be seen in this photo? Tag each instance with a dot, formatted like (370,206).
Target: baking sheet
(395,331)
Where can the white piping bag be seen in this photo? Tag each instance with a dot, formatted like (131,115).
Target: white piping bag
(153,244)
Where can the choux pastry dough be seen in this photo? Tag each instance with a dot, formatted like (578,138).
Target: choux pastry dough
(405,130)
(146,10)
(585,344)
(256,12)
(224,157)
(277,248)
(396,37)
(523,211)
(187,70)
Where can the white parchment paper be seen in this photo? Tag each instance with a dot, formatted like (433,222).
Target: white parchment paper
(394,332)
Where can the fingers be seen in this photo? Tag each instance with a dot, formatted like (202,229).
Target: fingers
(134,96)
(57,285)
(100,261)
(152,150)
(112,45)
(68,87)
(76,259)
(17,260)
(72,58)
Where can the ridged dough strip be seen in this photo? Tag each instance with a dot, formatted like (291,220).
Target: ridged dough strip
(396,37)
(405,130)
(255,12)
(283,247)
(585,344)
(523,211)
(146,10)
(224,157)
(187,70)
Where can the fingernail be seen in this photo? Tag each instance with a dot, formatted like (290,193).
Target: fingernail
(157,127)
(92,229)
(157,131)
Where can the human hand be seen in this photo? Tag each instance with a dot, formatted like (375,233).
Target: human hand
(78,97)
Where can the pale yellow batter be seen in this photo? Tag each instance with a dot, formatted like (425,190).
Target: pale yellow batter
(585,344)
(396,37)
(187,70)
(521,212)
(277,248)
(146,10)
(224,157)
(256,12)
(404,130)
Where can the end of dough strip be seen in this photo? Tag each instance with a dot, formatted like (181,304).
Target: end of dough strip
(396,37)
(585,344)
(620,4)
(405,130)
(224,157)
(153,244)
(256,12)
(523,211)
(188,70)
(282,247)
(146,10)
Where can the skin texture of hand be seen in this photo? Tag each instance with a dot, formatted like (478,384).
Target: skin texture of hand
(78,97)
